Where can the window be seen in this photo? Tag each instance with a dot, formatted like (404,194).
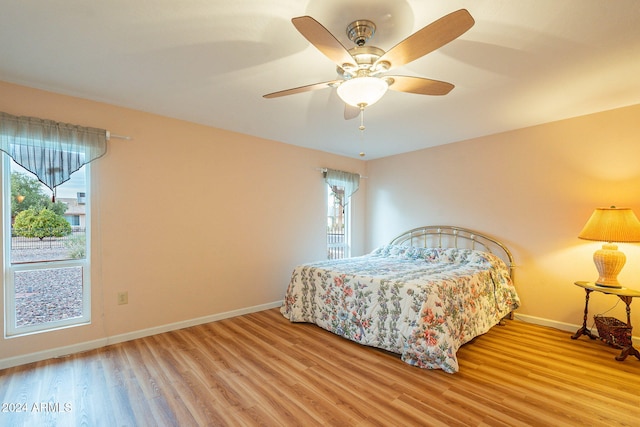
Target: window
(74,220)
(46,245)
(337,224)
(341,185)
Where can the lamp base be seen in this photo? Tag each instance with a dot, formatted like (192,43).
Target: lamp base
(609,261)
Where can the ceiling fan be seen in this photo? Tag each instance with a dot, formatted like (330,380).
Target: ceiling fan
(362,69)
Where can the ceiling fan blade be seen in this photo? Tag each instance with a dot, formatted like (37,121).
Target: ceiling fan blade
(323,40)
(419,85)
(428,39)
(301,89)
(351,112)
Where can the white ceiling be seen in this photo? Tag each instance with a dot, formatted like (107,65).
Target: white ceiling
(523,63)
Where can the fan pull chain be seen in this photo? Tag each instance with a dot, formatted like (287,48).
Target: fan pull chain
(362,129)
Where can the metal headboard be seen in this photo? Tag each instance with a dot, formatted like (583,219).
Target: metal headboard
(446,236)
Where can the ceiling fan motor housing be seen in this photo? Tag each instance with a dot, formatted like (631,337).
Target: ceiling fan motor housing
(365,57)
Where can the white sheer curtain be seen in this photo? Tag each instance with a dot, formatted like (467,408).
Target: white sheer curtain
(50,150)
(347,180)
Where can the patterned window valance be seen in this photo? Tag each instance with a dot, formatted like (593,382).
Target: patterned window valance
(347,180)
(50,150)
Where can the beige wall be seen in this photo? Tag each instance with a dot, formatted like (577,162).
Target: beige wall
(532,188)
(192,221)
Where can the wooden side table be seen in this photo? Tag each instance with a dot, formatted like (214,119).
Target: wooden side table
(626,295)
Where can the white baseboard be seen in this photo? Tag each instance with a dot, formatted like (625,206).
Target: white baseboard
(91,345)
(569,327)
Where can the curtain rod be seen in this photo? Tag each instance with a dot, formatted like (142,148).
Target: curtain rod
(116,136)
(323,170)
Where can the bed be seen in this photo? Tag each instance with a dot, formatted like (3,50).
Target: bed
(422,296)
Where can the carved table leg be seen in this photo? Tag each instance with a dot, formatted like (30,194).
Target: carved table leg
(630,349)
(584,330)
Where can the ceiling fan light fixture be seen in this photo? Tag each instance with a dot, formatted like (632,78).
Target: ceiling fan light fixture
(362,91)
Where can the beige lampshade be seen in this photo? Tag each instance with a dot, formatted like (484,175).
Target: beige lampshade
(612,225)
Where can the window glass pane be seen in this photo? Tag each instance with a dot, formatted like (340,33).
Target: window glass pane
(47,295)
(43,229)
(336,224)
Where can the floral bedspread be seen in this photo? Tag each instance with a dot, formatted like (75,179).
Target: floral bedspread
(422,303)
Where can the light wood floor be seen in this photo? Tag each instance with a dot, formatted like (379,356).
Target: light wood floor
(259,369)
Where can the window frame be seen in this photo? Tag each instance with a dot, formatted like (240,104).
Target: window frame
(9,268)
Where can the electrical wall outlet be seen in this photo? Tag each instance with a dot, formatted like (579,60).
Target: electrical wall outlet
(123,298)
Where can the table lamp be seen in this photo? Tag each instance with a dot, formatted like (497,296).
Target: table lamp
(611,225)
